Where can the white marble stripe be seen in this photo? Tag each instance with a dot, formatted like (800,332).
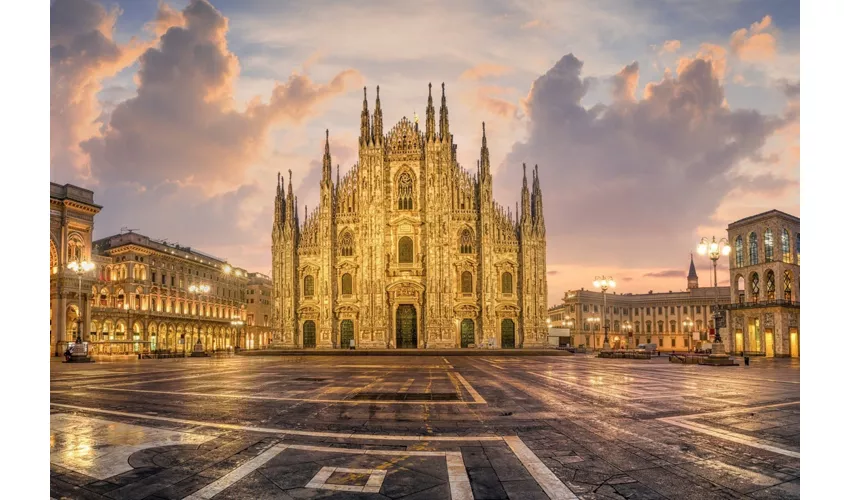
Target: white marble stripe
(554,488)
(478,400)
(475,396)
(358,451)
(319,479)
(458,479)
(268,430)
(236,474)
(731,436)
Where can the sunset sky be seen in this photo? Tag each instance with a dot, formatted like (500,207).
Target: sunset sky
(653,123)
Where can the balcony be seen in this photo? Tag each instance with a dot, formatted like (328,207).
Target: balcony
(762,303)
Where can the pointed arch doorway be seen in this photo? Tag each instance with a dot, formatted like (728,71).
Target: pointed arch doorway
(309,334)
(467,333)
(405,327)
(508,334)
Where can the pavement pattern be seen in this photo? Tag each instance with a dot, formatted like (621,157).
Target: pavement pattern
(424,427)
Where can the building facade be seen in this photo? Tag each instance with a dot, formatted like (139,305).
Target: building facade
(764,272)
(408,249)
(72,211)
(670,320)
(143,292)
(257,331)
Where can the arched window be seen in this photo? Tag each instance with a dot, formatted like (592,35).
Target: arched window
(768,246)
(754,249)
(785,242)
(770,286)
(346,244)
(754,287)
(54,259)
(507,283)
(466,241)
(660,327)
(466,282)
(75,249)
(309,288)
(739,251)
(649,327)
(346,284)
(405,250)
(672,327)
(740,286)
(797,247)
(405,191)
(789,285)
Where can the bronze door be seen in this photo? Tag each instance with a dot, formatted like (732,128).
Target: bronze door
(309,334)
(508,334)
(346,329)
(405,327)
(467,333)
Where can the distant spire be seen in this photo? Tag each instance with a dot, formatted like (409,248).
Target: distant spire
(378,120)
(290,201)
(526,205)
(326,161)
(485,153)
(444,118)
(429,117)
(693,279)
(365,133)
(337,175)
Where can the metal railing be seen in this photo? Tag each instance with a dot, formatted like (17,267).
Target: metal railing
(762,303)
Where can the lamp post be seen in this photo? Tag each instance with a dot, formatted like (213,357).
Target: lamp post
(594,326)
(238,324)
(569,324)
(198,291)
(604,283)
(688,325)
(130,332)
(80,267)
(714,249)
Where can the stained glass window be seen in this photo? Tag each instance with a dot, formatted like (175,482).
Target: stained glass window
(405,191)
(346,284)
(789,284)
(405,250)
(739,251)
(346,244)
(308,286)
(466,282)
(754,287)
(466,241)
(507,283)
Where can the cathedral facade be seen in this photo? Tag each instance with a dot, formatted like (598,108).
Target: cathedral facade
(409,250)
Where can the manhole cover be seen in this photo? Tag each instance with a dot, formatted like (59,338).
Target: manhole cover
(406,396)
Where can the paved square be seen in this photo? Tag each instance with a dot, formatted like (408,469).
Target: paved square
(424,427)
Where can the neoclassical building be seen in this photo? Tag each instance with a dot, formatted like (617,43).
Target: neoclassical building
(764,268)
(143,292)
(671,320)
(408,249)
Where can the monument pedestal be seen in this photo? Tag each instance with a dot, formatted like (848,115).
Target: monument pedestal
(718,356)
(198,350)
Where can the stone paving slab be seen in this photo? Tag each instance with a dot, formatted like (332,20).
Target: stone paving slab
(586,428)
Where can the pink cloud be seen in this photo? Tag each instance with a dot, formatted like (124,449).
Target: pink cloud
(754,44)
(485,70)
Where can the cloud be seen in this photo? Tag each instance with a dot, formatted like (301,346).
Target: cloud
(183,125)
(83,53)
(640,173)
(625,83)
(552,273)
(754,44)
(668,273)
(627,279)
(711,53)
(486,98)
(534,23)
(670,47)
(485,70)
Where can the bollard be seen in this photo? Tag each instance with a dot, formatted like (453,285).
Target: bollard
(746,361)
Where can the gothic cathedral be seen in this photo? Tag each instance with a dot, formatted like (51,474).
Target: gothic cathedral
(409,250)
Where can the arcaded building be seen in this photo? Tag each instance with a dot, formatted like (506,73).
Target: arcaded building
(408,249)
(764,269)
(673,320)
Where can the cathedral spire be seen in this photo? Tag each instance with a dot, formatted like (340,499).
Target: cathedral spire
(526,206)
(378,120)
(364,121)
(485,153)
(538,201)
(277,203)
(290,201)
(429,117)
(444,118)
(326,161)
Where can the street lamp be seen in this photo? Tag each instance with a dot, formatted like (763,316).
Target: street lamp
(688,325)
(714,249)
(604,283)
(80,352)
(197,291)
(594,326)
(238,324)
